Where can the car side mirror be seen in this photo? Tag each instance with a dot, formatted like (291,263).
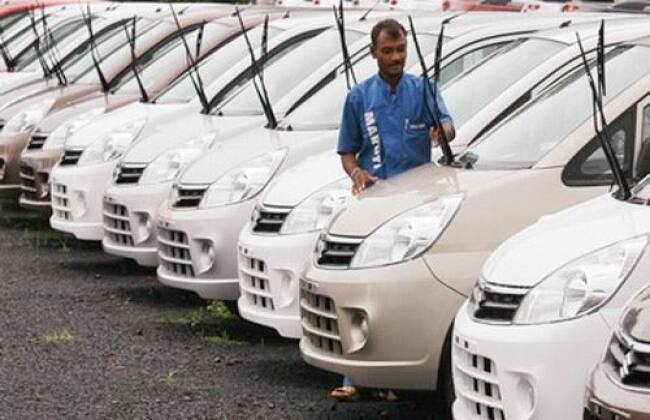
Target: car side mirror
(643,164)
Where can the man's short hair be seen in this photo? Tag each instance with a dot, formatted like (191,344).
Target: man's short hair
(392,27)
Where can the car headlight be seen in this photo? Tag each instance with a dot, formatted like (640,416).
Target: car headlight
(171,163)
(27,119)
(113,145)
(315,212)
(582,285)
(407,235)
(60,134)
(244,182)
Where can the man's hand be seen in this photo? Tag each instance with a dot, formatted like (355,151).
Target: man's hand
(436,133)
(360,180)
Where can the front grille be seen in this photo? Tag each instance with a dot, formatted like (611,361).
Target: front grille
(174,252)
(319,321)
(61,202)
(477,386)
(71,156)
(630,361)
(336,252)
(188,196)
(128,173)
(117,227)
(595,411)
(37,141)
(254,283)
(496,303)
(28,182)
(269,219)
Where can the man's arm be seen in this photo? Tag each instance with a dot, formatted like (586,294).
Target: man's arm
(360,177)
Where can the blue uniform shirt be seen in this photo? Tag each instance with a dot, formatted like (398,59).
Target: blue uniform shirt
(388,129)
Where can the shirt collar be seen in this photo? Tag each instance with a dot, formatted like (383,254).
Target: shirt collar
(386,87)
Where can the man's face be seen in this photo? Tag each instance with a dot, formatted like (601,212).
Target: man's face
(390,54)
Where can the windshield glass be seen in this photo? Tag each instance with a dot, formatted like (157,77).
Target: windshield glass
(49,49)
(7,22)
(493,76)
(323,110)
(83,69)
(166,58)
(214,66)
(283,75)
(536,128)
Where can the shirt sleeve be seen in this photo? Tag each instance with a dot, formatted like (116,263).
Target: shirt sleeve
(350,137)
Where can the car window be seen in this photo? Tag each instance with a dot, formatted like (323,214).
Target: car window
(460,64)
(527,135)
(182,90)
(590,167)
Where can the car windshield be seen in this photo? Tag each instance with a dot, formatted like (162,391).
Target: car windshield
(49,49)
(529,134)
(182,90)
(83,69)
(494,75)
(167,57)
(7,22)
(322,111)
(283,75)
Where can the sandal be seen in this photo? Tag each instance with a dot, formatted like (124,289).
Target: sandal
(346,393)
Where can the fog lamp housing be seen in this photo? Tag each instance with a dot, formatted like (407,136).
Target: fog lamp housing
(144,227)
(207,256)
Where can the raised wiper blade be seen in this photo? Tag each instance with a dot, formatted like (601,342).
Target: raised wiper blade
(4,51)
(47,73)
(603,132)
(193,69)
(428,89)
(260,90)
(93,46)
(53,52)
(134,62)
(340,26)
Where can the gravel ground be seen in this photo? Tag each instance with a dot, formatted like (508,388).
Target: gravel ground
(85,335)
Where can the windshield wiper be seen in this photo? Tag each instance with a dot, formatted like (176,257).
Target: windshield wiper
(134,65)
(4,51)
(93,46)
(340,25)
(193,69)
(53,51)
(262,93)
(598,113)
(428,89)
(47,73)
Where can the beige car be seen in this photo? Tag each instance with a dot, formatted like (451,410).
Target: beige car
(393,268)
(168,61)
(30,106)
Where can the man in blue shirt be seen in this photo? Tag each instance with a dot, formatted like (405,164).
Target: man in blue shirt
(386,128)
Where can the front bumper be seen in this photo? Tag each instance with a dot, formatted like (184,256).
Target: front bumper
(77,193)
(524,372)
(197,249)
(35,169)
(269,276)
(11,146)
(130,220)
(382,327)
(607,398)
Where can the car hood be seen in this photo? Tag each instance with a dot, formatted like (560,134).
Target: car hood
(393,196)
(233,152)
(106,123)
(60,96)
(636,317)
(299,182)
(530,255)
(173,133)
(76,108)
(11,81)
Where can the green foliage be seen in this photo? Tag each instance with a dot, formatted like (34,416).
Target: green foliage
(218,309)
(57,336)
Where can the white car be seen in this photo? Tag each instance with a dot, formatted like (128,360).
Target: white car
(210,268)
(309,194)
(545,305)
(78,184)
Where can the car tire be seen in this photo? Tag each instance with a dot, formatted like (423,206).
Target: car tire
(445,392)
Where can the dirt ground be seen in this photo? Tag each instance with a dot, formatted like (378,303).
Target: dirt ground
(86,335)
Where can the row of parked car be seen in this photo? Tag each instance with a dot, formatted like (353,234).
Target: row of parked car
(199,139)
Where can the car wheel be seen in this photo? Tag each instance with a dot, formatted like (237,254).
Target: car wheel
(445,392)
